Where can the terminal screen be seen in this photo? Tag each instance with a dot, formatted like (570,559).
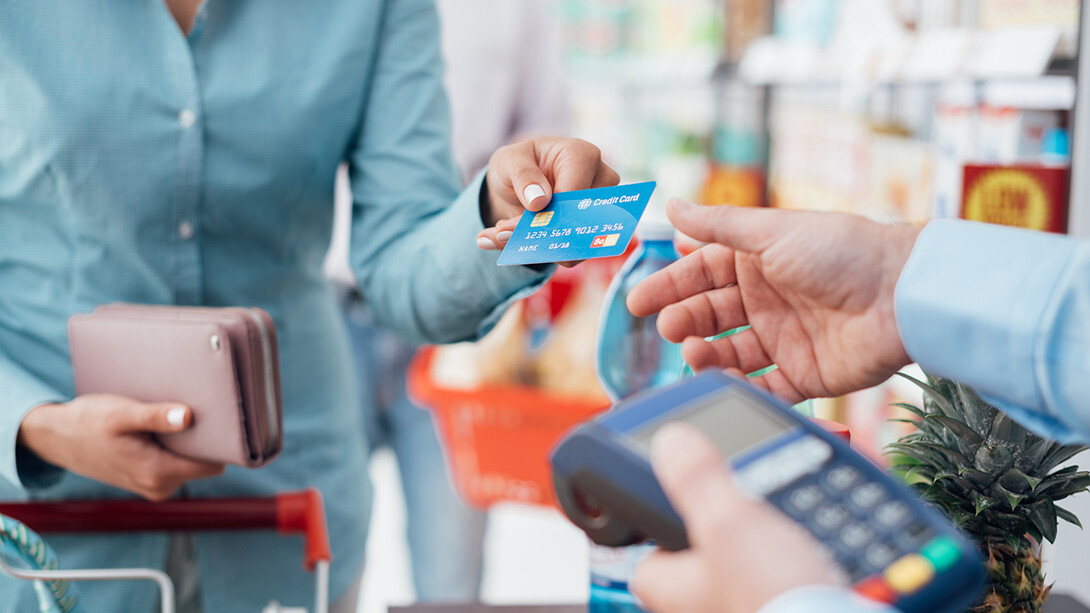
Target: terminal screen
(734,421)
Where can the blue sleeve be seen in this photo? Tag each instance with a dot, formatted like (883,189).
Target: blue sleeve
(1006,311)
(823,599)
(22,391)
(413,247)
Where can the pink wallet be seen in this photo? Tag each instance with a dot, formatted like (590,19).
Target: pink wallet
(221,362)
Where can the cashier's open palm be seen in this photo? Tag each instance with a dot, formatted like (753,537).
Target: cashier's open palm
(816,290)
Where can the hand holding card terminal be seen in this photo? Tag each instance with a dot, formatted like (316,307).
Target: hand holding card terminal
(892,547)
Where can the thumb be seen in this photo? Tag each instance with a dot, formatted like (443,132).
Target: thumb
(161,417)
(694,475)
(742,228)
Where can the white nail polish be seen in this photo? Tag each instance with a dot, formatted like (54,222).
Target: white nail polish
(532,192)
(176,416)
(485,243)
(503,236)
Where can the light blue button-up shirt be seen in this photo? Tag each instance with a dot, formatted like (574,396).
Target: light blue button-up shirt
(141,165)
(1006,311)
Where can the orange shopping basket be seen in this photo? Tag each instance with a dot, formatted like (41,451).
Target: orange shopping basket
(498,437)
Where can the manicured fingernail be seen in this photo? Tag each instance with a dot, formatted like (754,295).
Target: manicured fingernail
(176,416)
(486,243)
(532,192)
(503,236)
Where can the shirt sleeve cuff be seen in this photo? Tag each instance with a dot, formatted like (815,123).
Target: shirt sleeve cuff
(513,283)
(956,321)
(23,393)
(823,599)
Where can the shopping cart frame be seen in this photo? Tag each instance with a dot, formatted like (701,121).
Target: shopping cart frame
(289,513)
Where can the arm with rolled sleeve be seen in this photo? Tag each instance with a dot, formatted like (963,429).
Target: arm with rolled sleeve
(21,391)
(1006,311)
(416,258)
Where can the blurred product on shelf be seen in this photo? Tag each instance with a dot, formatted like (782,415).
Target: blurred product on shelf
(809,22)
(1009,135)
(995,14)
(901,177)
(747,20)
(1025,196)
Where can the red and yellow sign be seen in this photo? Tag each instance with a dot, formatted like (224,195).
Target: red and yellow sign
(1033,197)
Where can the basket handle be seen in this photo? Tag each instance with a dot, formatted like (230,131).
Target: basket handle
(288,513)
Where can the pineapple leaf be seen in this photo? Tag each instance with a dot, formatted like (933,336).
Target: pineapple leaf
(979,478)
(1067,516)
(1018,481)
(1069,484)
(942,401)
(1029,459)
(982,503)
(977,413)
(911,408)
(1042,515)
(958,428)
(1012,498)
(994,459)
(920,452)
(1060,455)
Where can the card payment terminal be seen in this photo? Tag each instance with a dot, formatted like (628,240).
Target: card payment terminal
(893,547)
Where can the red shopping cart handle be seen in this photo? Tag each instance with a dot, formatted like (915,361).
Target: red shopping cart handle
(288,513)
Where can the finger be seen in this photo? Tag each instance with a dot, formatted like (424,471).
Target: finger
(174,468)
(486,239)
(520,168)
(576,166)
(710,267)
(605,177)
(742,228)
(742,351)
(778,384)
(132,416)
(694,476)
(670,581)
(705,314)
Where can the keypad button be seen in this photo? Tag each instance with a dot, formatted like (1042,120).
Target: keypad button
(914,536)
(855,536)
(879,555)
(867,495)
(842,477)
(806,498)
(831,518)
(942,552)
(876,589)
(891,514)
(909,573)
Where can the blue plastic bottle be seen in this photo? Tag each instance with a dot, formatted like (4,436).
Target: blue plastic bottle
(632,357)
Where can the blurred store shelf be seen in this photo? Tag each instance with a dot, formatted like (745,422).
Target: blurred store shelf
(936,56)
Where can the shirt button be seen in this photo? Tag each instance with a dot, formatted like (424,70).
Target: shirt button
(186,118)
(185,230)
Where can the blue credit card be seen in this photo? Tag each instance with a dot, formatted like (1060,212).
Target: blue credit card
(579,225)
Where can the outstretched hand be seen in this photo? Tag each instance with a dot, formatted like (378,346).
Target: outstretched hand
(525,175)
(816,290)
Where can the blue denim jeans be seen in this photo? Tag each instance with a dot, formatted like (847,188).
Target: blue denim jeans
(445,535)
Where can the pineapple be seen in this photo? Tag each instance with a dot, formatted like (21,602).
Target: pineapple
(996,480)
